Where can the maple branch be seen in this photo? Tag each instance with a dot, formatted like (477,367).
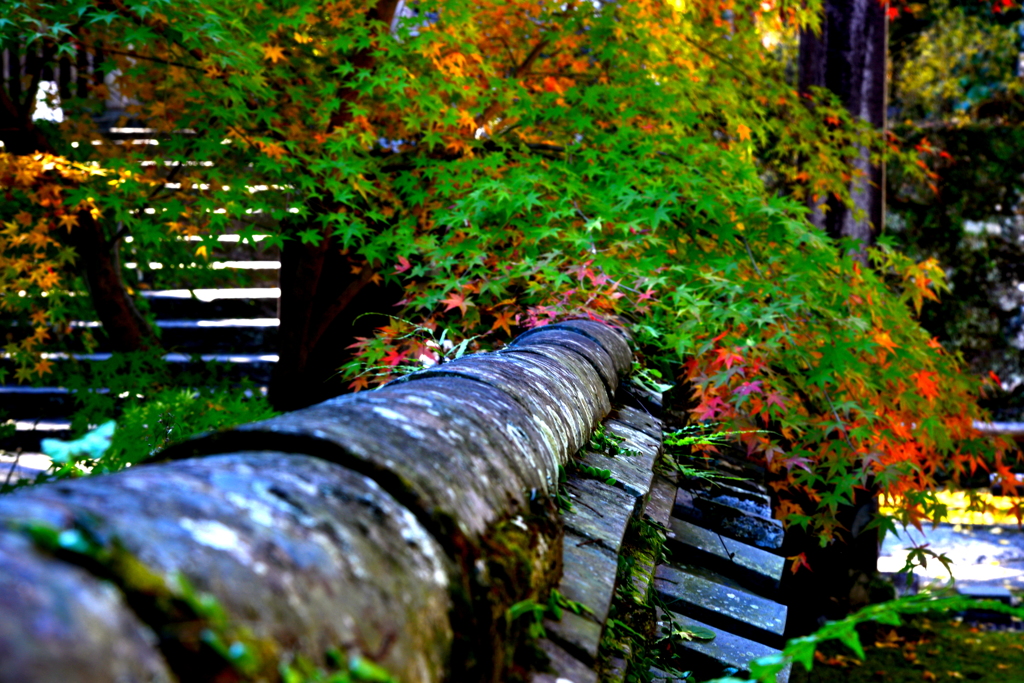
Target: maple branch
(157,26)
(722,58)
(492,109)
(383,11)
(530,58)
(508,48)
(828,397)
(136,55)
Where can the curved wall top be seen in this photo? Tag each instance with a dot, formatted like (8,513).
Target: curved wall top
(396,526)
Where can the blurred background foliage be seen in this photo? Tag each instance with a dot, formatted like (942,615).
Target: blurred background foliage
(957,91)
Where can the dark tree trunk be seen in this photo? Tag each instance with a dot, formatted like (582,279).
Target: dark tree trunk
(323,294)
(324,291)
(848,58)
(98,261)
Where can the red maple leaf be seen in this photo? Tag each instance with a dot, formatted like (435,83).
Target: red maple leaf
(776,398)
(748,388)
(403,265)
(709,408)
(728,357)
(393,357)
(799,561)
(458,301)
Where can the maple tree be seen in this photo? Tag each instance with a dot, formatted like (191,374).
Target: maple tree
(489,166)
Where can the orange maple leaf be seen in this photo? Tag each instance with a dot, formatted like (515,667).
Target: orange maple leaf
(883,339)
(43,367)
(743,131)
(926,383)
(504,320)
(271,149)
(274,53)
(69,220)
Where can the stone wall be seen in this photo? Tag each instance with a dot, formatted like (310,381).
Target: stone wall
(394,528)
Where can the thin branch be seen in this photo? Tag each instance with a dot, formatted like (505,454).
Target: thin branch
(520,71)
(722,58)
(136,55)
(14,465)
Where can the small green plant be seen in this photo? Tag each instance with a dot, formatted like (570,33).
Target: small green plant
(648,379)
(535,612)
(354,669)
(426,349)
(704,435)
(92,446)
(561,494)
(679,444)
(597,473)
(602,441)
(691,632)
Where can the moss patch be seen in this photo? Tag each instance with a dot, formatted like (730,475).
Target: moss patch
(922,650)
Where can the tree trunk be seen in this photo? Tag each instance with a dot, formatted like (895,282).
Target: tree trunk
(324,291)
(848,58)
(99,263)
(97,258)
(323,294)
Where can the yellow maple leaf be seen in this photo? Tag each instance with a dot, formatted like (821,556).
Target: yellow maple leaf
(68,220)
(201,251)
(743,132)
(301,38)
(274,53)
(466,119)
(25,175)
